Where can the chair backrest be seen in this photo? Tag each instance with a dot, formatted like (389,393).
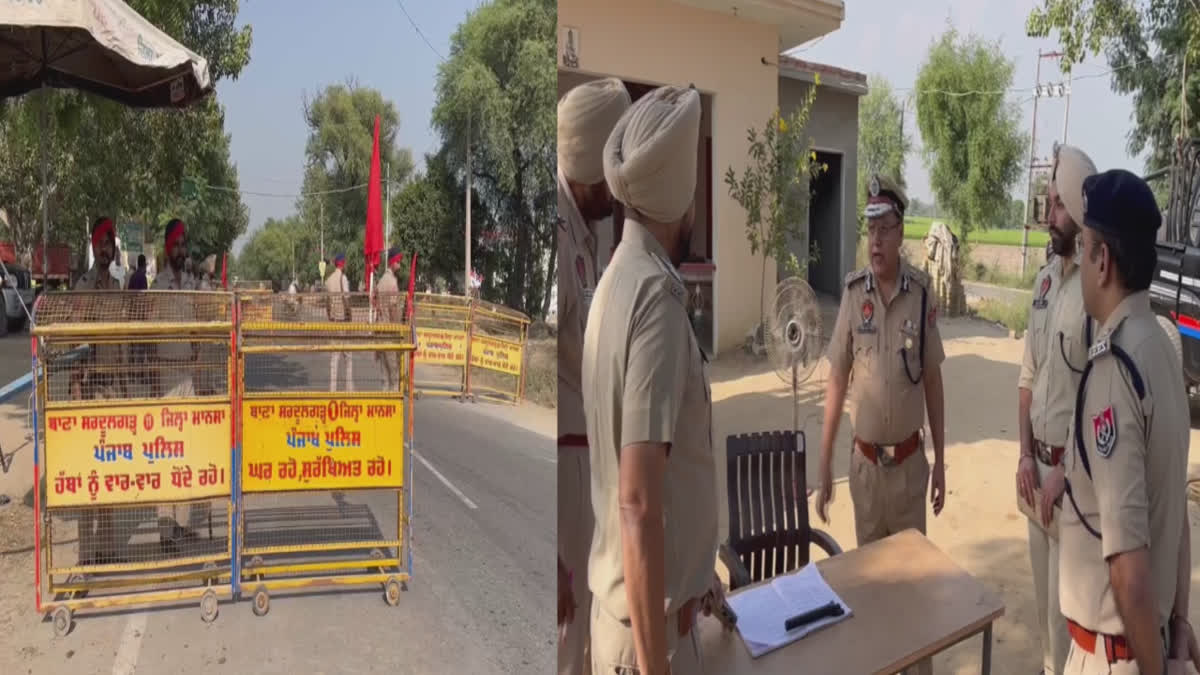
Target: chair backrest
(768,505)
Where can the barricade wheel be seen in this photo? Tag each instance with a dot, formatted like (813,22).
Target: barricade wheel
(391,591)
(63,620)
(262,602)
(208,606)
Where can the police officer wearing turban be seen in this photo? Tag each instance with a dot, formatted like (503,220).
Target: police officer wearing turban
(886,333)
(391,307)
(338,309)
(1055,351)
(586,115)
(1125,544)
(649,416)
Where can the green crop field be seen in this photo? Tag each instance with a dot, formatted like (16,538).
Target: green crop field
(916,227)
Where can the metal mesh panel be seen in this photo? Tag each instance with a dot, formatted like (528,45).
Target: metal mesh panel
(442,323)
(135,368)
(161,312)
(322,525)
(126,538)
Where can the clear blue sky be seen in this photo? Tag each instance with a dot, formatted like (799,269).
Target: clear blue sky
(301,47)
(891,39)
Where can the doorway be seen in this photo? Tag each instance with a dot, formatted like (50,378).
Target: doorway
(825,226)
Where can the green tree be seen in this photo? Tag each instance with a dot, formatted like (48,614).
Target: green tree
(1017,214)
(341,128)
(774,188)
(972,144)
(271,251)
(496,93)
(1149,45)
(105,159)
(882,143)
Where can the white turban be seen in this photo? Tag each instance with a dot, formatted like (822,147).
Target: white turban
(585,117)
(650,158)
(1071,166)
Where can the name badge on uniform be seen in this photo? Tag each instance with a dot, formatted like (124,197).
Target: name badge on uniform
(868,317)
(1040,301)
(588,293)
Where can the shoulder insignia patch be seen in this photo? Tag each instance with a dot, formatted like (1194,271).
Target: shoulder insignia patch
(1099,348)
(667,267)
(1104,426)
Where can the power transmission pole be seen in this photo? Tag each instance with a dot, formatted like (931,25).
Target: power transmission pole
(467,269)
(321,222)
(1039,92)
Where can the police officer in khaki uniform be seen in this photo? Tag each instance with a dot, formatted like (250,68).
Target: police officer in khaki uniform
(887,334)
(586,116)
(391,309)
(649,415)
(1125,559)
(176,367)
(338,309)
(99,377)
(1055,353)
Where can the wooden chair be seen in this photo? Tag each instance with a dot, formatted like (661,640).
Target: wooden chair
(766,484)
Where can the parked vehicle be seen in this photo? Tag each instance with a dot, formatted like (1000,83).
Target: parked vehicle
(1175,291)
(16,288)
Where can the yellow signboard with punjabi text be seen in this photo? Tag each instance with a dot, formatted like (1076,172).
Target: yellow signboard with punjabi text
(499,355)
(441,346)
(322,444)
(137,454)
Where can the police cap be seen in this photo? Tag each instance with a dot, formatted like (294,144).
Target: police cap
(884,195)
(1120,204)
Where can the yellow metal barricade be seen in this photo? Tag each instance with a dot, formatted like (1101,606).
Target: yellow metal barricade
(496,370)
(443,323)
(134,424)
(326,420)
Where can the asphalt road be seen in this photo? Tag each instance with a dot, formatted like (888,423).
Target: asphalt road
(481,599)
(14,357)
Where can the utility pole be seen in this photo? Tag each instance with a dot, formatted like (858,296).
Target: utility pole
(1039,92)
(321,222)
(387,209)
(467,268)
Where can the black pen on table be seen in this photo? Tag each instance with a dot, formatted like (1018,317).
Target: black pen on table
(814,615)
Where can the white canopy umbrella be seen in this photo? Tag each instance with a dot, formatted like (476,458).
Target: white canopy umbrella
(100,46)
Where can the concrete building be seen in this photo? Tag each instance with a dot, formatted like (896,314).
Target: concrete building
(731,55)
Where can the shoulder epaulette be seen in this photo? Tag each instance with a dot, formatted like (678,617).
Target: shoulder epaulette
(674,282)
(918,276)
(857,275)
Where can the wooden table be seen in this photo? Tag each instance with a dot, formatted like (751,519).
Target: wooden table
(908,601)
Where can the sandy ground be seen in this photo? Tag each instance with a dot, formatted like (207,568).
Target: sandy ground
(980,528)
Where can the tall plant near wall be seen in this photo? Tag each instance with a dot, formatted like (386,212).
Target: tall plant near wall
(774,189)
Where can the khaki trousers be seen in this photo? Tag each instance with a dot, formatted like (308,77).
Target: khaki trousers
(179,383)
(97,529)
(1080,662)
(336,358)
(890,499)
(613,651)
(1052,627)
(575,524)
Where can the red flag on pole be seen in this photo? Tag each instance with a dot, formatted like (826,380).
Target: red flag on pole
(373,242)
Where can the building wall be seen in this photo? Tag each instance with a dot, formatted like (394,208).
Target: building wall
(661,42)
(833,126)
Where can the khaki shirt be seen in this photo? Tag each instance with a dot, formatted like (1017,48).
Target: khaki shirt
(870,332)
(174,310)
(577,278)
(645,380)
(388,291)
(1137,450)
(109,356)
(337,285)
(1057,308)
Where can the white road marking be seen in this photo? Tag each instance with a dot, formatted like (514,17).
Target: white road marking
(470,504)
(131,645)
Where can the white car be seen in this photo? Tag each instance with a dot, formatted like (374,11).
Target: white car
(16,287)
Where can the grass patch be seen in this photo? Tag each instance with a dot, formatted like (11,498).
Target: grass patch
(541,371)
(984,274)
(1012,315)
(918,227)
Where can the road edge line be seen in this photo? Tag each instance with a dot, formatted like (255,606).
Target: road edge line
(445,481)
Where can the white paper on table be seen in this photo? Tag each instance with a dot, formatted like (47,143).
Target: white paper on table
(762,611)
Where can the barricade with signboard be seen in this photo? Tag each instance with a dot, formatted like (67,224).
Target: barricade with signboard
(326,430)
(443,323)
(134,425)
(496,370)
